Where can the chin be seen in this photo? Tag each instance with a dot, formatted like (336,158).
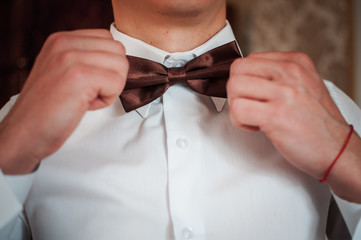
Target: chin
(185,8)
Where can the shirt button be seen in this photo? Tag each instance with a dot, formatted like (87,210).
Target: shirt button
(187,233)
(182,143)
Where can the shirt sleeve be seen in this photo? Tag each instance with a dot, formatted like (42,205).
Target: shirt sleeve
(352,114)
(357,234)
(14,190)
(10,206)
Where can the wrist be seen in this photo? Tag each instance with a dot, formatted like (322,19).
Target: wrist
(343,148)
(15,157)
(344,178)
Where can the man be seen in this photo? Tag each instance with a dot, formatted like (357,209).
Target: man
(174,168)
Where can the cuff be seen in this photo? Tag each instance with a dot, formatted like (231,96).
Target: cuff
(357,234)
(351,212)
(14,190)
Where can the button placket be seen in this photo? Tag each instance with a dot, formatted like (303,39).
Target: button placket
(182,169)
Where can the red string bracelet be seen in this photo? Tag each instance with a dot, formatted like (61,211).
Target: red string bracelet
(339,154)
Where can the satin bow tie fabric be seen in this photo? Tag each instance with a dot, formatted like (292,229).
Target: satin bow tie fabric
(206,74)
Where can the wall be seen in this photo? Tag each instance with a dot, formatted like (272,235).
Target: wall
(357,47)
(319,28)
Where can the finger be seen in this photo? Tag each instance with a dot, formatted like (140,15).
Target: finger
(246,112)
(99,59)
(93,32)
(108,92)
(87,40)
(94,87)
(63,45)
(274,70)
(297,57)
(62,62)
(66,42)
(252,87)
(100,33)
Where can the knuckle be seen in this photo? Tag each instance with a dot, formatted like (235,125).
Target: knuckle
(236,64)
(53,36)
(77,72)
(66,56)
(293,67)
(289,93)
(120,47)
(302,57)
(58,40)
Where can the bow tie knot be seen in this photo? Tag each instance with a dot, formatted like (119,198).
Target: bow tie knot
(177,75)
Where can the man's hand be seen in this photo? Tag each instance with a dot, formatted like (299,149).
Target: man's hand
(283,95)
(74,72)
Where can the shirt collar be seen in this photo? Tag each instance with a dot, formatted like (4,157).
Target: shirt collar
(138,48)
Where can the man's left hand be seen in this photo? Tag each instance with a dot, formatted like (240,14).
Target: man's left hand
(282,95)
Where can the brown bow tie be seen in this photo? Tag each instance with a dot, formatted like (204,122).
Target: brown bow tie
(206,74)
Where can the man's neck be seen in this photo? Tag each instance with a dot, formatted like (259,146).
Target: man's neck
(169,32)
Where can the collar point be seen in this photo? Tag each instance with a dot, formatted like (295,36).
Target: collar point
(219,103)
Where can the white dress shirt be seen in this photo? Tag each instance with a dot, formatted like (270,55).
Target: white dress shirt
(173,169)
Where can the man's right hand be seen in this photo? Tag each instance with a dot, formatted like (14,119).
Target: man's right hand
(74,72)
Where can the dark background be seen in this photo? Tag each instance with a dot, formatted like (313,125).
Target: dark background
(25,25)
